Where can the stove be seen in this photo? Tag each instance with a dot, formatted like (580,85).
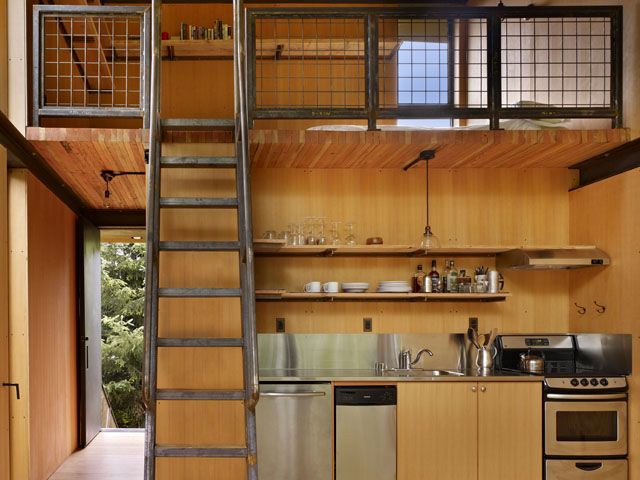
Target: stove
(585,401)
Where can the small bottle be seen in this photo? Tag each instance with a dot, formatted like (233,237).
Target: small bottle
(418,280)
(452,279)
(435,277)
(445,276)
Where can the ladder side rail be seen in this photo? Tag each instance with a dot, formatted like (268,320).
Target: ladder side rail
(153,240)
(245,234)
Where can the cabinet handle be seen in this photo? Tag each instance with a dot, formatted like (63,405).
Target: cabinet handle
(474,389)
(483,388)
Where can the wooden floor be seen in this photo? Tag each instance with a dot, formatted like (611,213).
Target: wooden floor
(111,455)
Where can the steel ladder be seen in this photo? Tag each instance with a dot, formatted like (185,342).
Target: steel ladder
(243,245)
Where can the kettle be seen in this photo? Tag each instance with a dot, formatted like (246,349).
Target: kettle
(532,363)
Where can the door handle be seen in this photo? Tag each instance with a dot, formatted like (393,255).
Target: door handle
(17,385)
(589,466)
(292,394)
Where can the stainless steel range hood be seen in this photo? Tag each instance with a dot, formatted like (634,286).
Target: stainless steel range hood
(551,258)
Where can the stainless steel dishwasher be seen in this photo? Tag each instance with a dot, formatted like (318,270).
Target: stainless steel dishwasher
(365,433)
(295,431)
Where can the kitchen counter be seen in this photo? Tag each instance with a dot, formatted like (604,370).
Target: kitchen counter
(343,375)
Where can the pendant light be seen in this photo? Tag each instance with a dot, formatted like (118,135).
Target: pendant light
(429,240)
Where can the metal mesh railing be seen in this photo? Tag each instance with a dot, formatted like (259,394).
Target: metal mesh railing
(565,62)
(90,61)
(472,63)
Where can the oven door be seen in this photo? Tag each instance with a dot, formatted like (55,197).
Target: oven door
(586,425)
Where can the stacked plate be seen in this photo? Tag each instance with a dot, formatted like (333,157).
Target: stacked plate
(394,287)
(355,287)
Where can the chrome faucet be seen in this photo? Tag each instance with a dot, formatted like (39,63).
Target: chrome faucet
(404,358)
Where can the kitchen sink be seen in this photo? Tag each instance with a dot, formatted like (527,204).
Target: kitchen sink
(421,372)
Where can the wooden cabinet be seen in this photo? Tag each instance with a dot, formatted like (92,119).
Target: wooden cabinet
(470,430)
(510,431)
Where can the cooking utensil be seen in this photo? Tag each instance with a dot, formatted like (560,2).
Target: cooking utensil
(472,335)
(532,363)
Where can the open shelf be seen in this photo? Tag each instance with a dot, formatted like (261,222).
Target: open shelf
(267,48)
(284,296)
(278,248)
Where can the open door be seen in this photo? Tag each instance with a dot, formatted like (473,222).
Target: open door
(89,333)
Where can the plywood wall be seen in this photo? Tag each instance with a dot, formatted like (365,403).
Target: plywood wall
(606,214)
(43,328)
(468,207)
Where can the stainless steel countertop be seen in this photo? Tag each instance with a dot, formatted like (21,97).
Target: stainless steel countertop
(342,375)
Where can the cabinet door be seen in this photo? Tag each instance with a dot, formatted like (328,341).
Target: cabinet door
(510,431)
(437,431)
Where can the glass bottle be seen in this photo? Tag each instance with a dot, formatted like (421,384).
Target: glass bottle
(452,279)
(417,284)
(444,288)
(435,277)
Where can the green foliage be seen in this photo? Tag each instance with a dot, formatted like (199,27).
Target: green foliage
(123,271)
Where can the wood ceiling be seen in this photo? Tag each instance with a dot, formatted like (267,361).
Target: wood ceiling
(78,155)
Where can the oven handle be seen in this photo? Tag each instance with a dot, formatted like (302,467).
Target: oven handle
(569,396)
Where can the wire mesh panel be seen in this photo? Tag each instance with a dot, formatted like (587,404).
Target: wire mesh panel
(433,62)
(90,63)
(558,62)
(309,63)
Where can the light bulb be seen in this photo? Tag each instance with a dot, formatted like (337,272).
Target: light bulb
(429,240)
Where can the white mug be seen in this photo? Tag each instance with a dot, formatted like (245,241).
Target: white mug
(331,287)
(313,287)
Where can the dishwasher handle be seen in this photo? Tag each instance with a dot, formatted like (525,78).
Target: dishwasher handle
(292,394)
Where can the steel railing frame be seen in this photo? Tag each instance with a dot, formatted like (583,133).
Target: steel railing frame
(39,109)
(494,111)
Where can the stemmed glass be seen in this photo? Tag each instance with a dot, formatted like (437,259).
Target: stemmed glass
(350,237)
(335,233)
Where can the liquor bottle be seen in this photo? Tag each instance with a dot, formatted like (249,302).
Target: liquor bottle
(435,277)
(452,279)
(445,276)
(417,284)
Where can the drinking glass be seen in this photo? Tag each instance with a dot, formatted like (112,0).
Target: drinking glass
(350,237)
(322,239)
(309,228)
(335,233)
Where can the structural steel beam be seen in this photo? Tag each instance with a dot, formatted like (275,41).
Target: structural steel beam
(618,160)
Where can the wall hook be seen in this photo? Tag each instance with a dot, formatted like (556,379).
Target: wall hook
(581,310)
(599,308)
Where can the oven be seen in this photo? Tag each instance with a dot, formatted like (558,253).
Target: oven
(585,425)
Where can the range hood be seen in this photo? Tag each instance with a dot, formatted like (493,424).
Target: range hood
(551,258)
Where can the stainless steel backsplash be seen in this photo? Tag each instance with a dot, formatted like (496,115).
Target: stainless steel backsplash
(357,351)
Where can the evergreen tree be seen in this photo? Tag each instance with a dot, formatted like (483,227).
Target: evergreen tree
(123,274)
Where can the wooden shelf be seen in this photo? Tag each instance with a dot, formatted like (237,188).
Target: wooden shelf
(278,248)
(284,296)
(268,48)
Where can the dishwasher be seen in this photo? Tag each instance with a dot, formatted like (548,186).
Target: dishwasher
(295,431)
(365,433)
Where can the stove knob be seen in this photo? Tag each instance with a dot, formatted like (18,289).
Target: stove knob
(575,382)
(594,382)
(584,382)
(604,382)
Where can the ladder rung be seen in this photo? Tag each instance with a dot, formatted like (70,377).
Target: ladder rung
(198,162)
(189,202)
(191,124)
(199,246)
(167,394)
(171,451)
(200,342)
(199,292)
